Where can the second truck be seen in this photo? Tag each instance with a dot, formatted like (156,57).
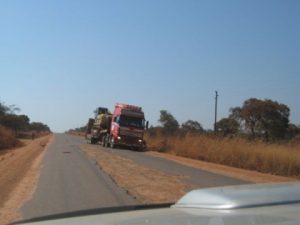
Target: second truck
(123,128)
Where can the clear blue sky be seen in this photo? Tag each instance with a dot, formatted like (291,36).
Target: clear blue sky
(59,60)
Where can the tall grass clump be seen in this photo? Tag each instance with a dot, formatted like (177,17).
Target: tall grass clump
(277,159)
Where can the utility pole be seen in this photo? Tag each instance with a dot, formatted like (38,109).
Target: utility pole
(216,111)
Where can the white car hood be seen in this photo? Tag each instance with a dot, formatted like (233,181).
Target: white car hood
(276,208)
(281,214)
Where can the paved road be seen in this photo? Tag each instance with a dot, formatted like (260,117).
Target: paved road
(196,178)
(70,181)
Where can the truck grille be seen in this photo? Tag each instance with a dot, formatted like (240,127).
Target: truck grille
(131,134)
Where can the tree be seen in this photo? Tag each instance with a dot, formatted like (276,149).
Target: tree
(39,127)
(192,126)
(292,131)
(169,123)
(11,109)
(263,117)
(3,109)
(228,126)
(81,129)
(15,122)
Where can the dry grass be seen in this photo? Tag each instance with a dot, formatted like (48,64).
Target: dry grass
(31,134)
(76,133)
(228,171)
(7,139)
(277,159)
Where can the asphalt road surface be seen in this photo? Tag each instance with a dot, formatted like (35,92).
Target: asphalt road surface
(195,178)
(70,181)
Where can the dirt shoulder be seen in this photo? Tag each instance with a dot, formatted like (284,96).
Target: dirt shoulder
(241,174)
(149,185)
(145,184)
(19,170)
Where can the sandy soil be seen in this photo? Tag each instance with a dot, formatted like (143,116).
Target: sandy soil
(147,185)
(241,174)
(19,171)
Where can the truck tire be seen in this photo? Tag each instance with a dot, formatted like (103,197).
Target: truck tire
(107,141)
(111,142)
(138,149)
(92,141)
(104,141)
(142,149)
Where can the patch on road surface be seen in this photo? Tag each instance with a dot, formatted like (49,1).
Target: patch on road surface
(146,184)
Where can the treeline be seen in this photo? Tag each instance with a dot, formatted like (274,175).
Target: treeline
(255,136)
(80,129)
(256,119)
(13,126)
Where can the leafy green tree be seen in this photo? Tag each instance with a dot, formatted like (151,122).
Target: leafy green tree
(192,126)
(169,123)
(228,126)
(263,117)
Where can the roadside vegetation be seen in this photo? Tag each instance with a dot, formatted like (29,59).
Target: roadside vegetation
(80,131)
(14,127)
(256,136)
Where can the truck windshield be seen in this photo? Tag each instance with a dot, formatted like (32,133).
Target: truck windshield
(128,121)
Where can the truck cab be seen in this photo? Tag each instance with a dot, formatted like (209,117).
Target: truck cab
(127,127)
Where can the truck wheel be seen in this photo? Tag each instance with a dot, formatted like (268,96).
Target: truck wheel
(143,149)
(111,143)
(92,141)
(104,141)
(138,149)
(107,141)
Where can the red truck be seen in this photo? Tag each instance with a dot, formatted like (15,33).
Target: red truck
(123,128)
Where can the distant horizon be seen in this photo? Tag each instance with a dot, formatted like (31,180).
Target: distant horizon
(61,60)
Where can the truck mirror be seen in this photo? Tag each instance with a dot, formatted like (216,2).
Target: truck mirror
(147,124)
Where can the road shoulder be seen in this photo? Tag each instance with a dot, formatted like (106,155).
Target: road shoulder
(19,171)
(147,185)
(241,174)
